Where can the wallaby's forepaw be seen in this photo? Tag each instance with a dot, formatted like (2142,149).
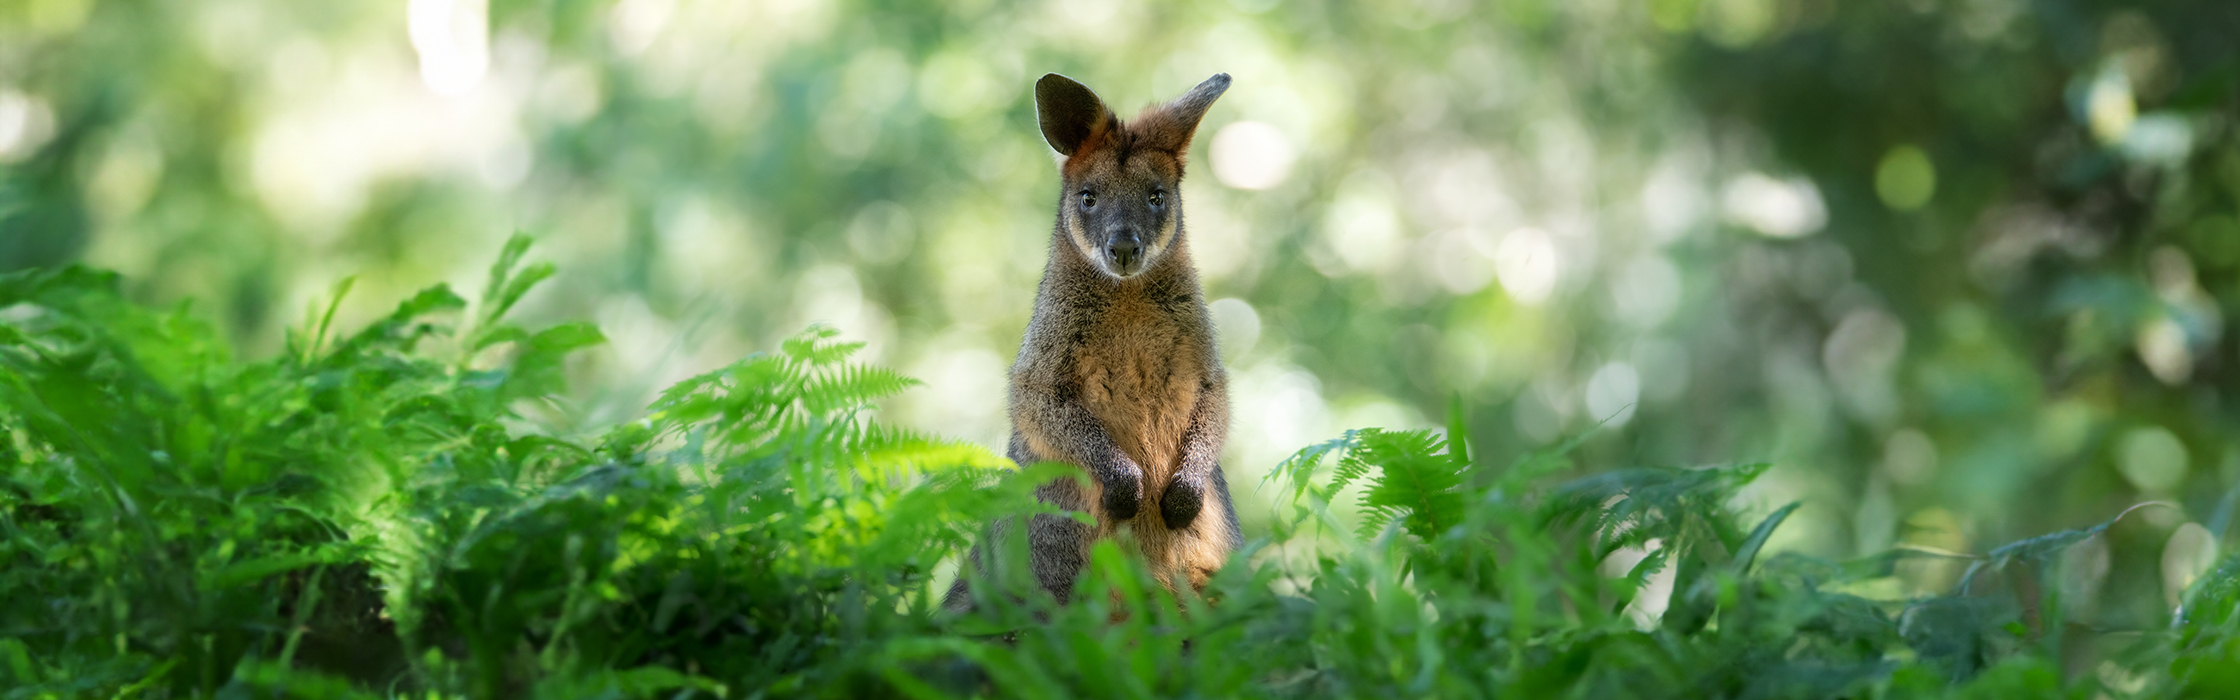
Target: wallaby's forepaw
(1123,499)
(1180,504)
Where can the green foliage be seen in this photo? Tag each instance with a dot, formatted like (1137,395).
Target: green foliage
(377,514)
(372,508)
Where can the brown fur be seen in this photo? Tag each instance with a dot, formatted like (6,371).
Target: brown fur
(1119,373)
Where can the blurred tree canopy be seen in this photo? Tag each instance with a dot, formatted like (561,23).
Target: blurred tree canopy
(1960,269)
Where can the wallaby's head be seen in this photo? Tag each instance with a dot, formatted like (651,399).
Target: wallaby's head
(1122,203)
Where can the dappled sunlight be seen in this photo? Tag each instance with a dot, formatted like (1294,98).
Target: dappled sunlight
(1778,208)
(1962,273)
(453,40)
(26,122)
(1528,265)
(1251,155)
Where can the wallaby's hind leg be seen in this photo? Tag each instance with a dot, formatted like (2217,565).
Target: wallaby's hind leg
(1215,536)
(1196,551)
(960,591)
(1058,545)
(993,554)
(959,596)
(1228,509)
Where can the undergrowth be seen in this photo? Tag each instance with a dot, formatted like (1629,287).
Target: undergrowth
(377,515)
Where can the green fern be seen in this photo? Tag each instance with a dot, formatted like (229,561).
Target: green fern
(1410,477)
(374,472)
(1628,507)
(1300,468)
(370,514)
(1419,485)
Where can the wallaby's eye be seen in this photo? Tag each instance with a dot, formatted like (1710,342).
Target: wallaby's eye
(1156,200)
(1088,199)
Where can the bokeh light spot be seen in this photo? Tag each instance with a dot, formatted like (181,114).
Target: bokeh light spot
(1905,179)
(1777,208)
(2161,138)
(957,371)
(1461,259)
(2152,459)
(1674,199)
(2189,554)
(1612,392)
(1737,23)
(1236,324)
(2063,428)
(1909,457)
(956,85)
(57,16)
(453,40)
(1861,355)
(1673,15)
(1251,156)
(634,24)
(2162,348)
(1526,265)
(1362,228)
(2109,108)
(25,124)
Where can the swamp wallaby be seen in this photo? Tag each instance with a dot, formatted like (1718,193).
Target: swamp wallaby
(1119,373)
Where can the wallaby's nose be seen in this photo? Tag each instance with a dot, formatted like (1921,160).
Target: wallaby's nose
(1123,250)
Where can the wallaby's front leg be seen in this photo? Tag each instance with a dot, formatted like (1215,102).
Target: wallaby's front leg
(1062,429)
(1200,458)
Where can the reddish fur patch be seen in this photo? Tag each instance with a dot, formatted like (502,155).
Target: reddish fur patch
(1160,129)
(1156,133)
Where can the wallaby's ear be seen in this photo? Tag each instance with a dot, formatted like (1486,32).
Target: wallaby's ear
(1170,126)
(1070,113)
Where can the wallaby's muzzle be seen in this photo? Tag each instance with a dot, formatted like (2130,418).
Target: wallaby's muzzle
(1125,254)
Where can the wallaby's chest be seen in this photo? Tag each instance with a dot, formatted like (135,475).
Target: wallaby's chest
(1140,374)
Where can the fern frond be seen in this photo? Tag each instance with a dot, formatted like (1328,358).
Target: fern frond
(810,349)
(1351,464)
(1631,506)
(1419,485)
(1300,467)
(1374,519)
(852,387)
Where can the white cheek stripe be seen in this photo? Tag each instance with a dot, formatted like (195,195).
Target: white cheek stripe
(1080,237)
(1160,243)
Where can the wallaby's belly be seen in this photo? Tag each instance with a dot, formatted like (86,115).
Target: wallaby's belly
(1141,379)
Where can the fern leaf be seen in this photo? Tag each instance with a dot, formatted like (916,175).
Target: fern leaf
(1418,478)
(1374,519)
(810,348)
(1300,467)
(853,387)
(1352,466)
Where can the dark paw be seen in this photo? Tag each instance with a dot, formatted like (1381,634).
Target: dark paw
(1181,503)
(1122,500)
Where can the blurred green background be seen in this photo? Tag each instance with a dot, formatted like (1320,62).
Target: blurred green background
(1959,269)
